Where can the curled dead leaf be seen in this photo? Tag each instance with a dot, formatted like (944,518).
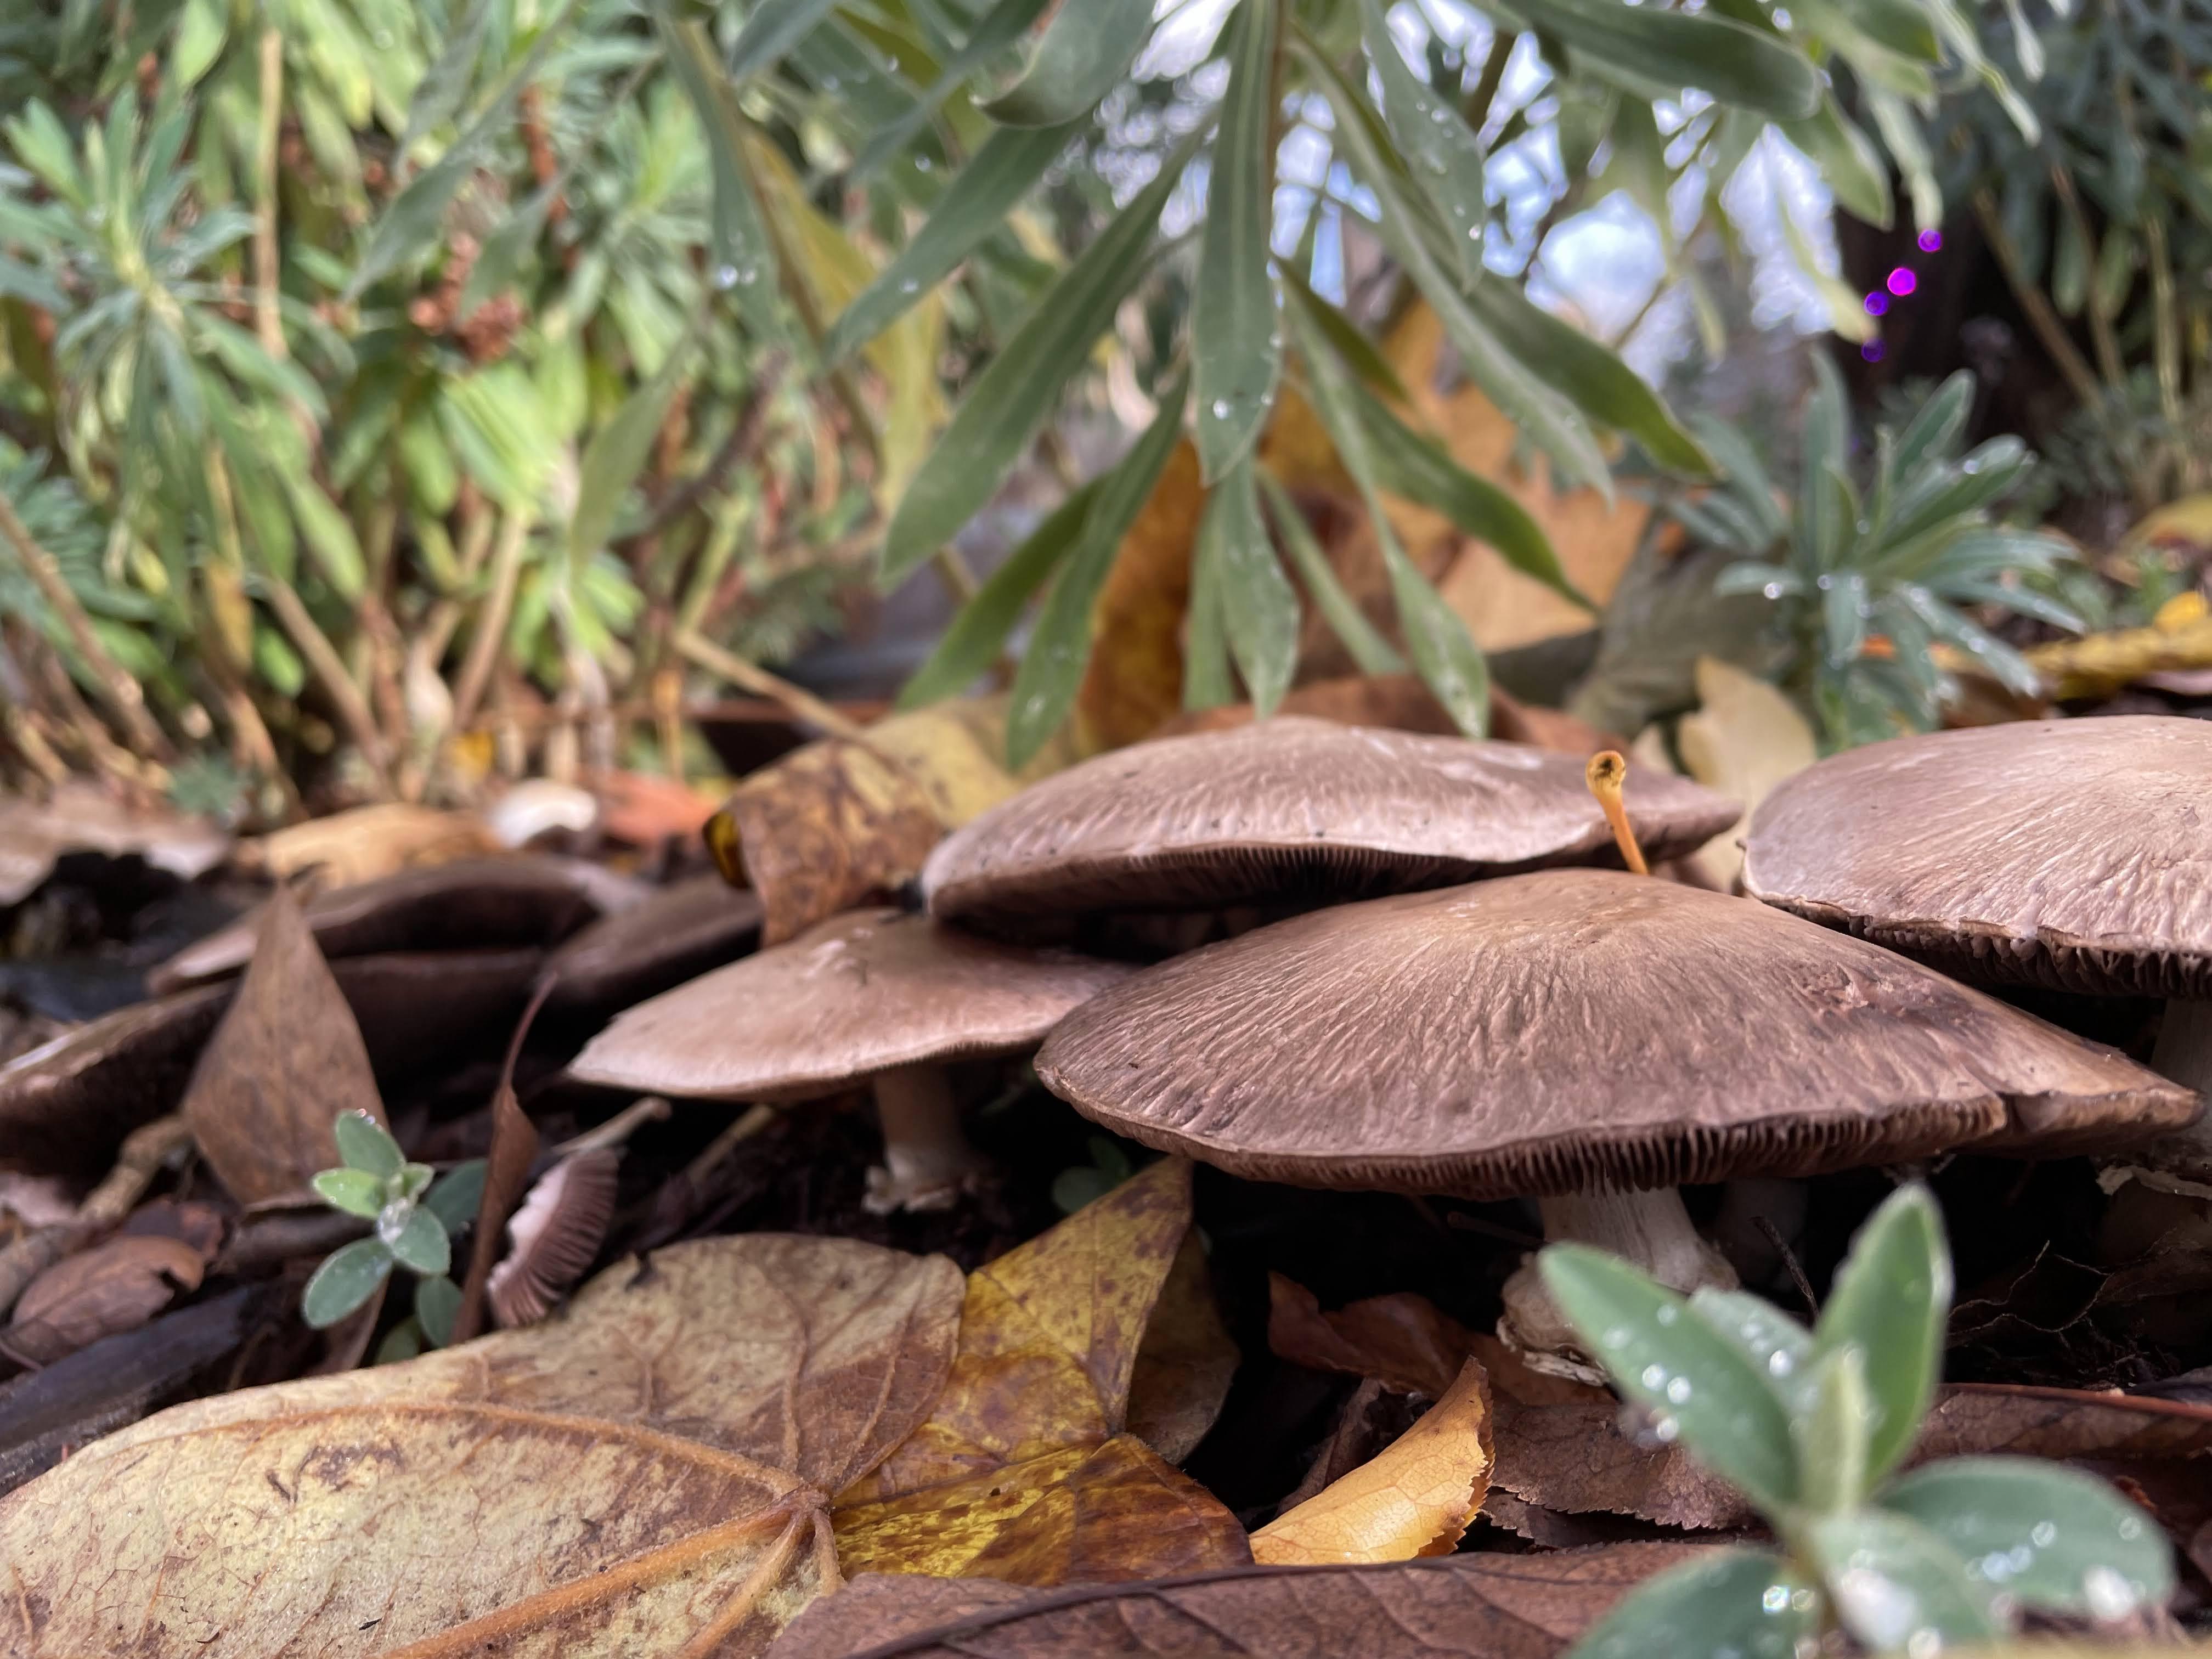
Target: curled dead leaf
(1404,1341)
(1500,1607)
(82,817)
(113,1287)
(366,842)
(1417,1498)
(952,750)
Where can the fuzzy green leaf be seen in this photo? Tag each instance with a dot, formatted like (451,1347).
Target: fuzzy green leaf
(1443,154)
(1370,652)
(1897,1587)
(437,1302)
(348,1278)
(456,1194)
(1749,1603)
(354,1191)
(415,1238)
(772,30)
(1259,606)
(365,1144)
(1651,50)
(1891,1299)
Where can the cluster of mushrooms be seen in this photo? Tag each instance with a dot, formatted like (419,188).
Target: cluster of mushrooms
(1434,985)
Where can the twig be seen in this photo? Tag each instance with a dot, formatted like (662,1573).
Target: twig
(491,624)
(266,321)
(322,657)
(761,684)
(2049,329)
(1789,1263)
(744,439)
(123,694)
(144,1152)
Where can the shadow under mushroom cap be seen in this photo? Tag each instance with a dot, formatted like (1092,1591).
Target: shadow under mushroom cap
(1576,1030)
(1295,807)
(858,994)
(2075,854)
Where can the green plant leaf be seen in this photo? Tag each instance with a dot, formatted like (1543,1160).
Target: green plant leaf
(1829,1429)
(1052,668)
(1779,1347)
(773,28)
(1361,354)
(348,1278)
(354,1191)
(415,1238)
(994,31)
(1442,153)
(1085,50)
(1417,467)
(1847,159)
(985,191)
(1259,606)
(1677,1367)
(1001,412)
(2055,1538)
(404,1341)
(743,258)
(977,637)
(437,1302)
(1896,1585)
(618,453)
(1207,681)
(1370,652)
(365,1144)
(1651,51)
(1933,433)
(1236,332)
(453,1198)
(1891,1297)
(1749,1603)
(439,94)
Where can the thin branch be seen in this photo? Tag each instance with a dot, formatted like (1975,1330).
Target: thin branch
(491,623)
(322,657)
(2049,329)
(125,698)
(757,680)
(266,321)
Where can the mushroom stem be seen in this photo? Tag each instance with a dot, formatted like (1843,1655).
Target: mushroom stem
(1606,773)
(928,1162)
(1649,1230)
(2179,1163)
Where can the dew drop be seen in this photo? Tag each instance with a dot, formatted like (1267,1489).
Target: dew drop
(1221,409)
(2109,1594)
(2130,1529)
(1779,1364)
(1655,1377)
(1668,1314)
(1775,1598)
(1678,1389)
(1772,589)
(726,276)
(1665,1429)
(2044,1534)
(1616,1336)
(1970,466)
(910,286)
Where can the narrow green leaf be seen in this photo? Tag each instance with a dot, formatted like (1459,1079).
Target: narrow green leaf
(506,247)
(742,257)
(1675,1366)
(1890,1301)
(1750,1603)
(985,191)
(977,637)
(1847,159)
(618,453)
(202,29)
(348,1278)
(1653,50)
(2057,1539)
(1933,432)
(1052,668)
(456,1194)
(774,28)
(437,1302)
(1897,1587)
(439,94)
(1259,606)
(415,1238)
(1844,604)
(365,1144)
(1442,153)
(2069,267)
(994,31)
(1207,681)
(1908,147)
(1236,338)
(1001,412)
(1359,352)
(403,1342)
(2116,271)
(1085,50)
(354,1191)
(1370,652)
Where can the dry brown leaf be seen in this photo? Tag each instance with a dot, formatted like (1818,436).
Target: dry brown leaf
(80,818)
(1417,1498)
(1403,1340)
(113,1287)
(1574,1458)
(1498,1607)
(952,749)
(66,1106)
(1186,1361)
(1745,738)
(368,841)
(1979,1418)
(507,1164)
(641,810)
(1135,679)
(286,1061)
(831,826)
(1022,1464)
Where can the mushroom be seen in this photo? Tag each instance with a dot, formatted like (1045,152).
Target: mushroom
(676,933)
(875,995)
(1585,1037)
(1290,809)
(554,1237)
(2071,855)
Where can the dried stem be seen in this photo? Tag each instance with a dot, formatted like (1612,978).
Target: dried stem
(491,622)
(322,657)
(2049,329)
(266,322)
(144,1152)
(803,704)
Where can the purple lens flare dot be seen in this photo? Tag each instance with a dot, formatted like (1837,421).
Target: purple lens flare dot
(1876,303)
(1871,352)
(1931,241)
(1901,282)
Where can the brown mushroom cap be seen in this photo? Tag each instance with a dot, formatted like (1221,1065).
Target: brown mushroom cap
(2075,854)
(857,994)
(1576,1030)
(1295,807)
(675,934)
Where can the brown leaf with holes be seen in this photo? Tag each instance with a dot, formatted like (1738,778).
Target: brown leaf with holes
(1023,1467)
(1418,1497)
(111,1288)
(829,826)
(286,1059)
(1498,1607)
(1186,1361)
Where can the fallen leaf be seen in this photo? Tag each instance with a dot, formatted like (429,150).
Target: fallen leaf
(349,848)
(1023,1466)
(1403,1340)
(1366,1423)
(66,1106)
(1745,738)
(1186,1361)
(1417,1498)
(953,750)
(641,810)
(80,817)
(113,1287)
(1135,678)
(1499,1606)
(286,1059)
(200,1225)
(831,826)
(507,1164)
(679,933)
(1981,1418)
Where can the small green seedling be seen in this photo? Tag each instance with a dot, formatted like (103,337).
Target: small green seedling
(415,1218)
(1811,1426)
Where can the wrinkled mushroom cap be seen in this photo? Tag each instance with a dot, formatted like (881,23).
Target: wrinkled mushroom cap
(858,994)
(2075,854)
(1291,808)
(1576,1030)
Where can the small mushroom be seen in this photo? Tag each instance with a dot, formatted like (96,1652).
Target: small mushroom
(2072,854)
(554,1237)
(876,996)
(1585,1037)
(1291,810)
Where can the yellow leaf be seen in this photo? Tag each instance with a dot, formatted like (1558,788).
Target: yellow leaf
(1746,737)
(1417,1498)
(952,750)
(1134,680)
(349,848)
